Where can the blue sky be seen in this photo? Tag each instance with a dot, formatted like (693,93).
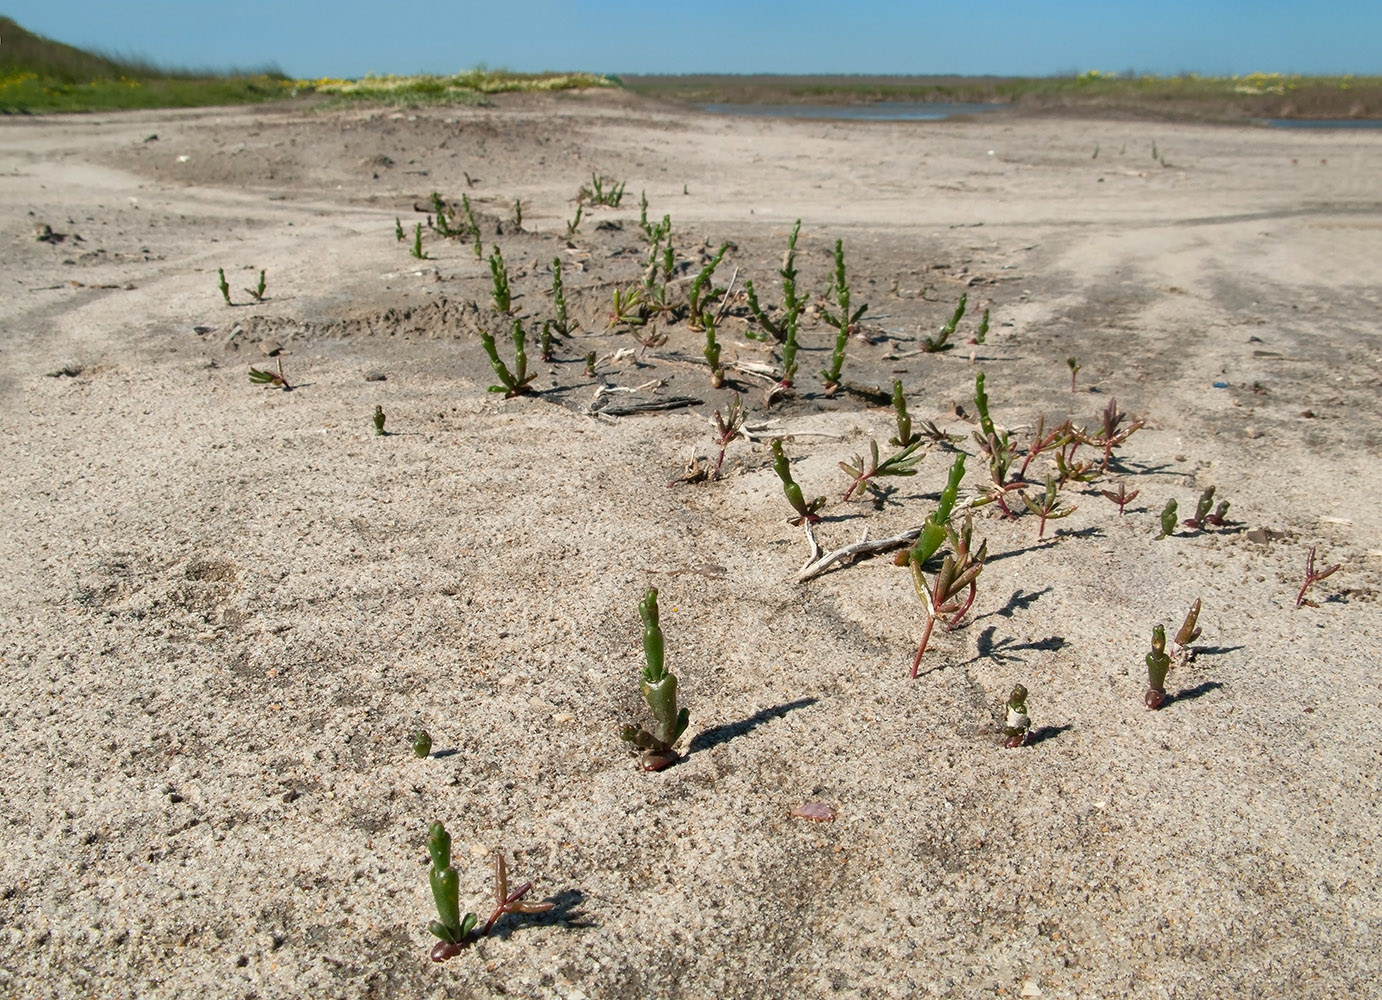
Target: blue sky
(349,38)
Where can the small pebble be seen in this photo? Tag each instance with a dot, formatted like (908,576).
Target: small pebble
(818,812)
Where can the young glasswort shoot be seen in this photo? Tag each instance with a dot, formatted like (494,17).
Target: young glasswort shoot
(515,382)
(712,351)
(1111,432)
(257,293)
(791,306)
(863,474)
(422,743)
(1047,507)
(1168,519)
(416,249)
(843,321)
(561,323)
(499,283)
(1158,663)
(379,421)
(933,531)
(727,428)
(904,421)
(1017,725)
(982,332)
(1188,633)
(659,689)
(453,931)
(998,450)
(274,380)
(784,329)
(573,225)
(1122,498)
(1074,367)
(806,512)
(701,296)
(940,342)
(471,225)
(950,595)
(1312,577)
(398,229)
(224,285)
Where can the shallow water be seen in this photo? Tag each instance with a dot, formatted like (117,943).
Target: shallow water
(879,111)
(1323,122)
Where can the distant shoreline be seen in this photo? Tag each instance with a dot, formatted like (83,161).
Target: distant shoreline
(1246,99)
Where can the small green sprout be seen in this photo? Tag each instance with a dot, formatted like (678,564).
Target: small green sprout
(1111,432)
(1187,634)
(224,285)
(518,214)
(441,225)
(784,329)
(950,595)
(806,513)
(451,929)
(863,474)
(982,332)
(727,428)
(843,321)
(416,249)
(933,532)
(513,383)
(940,342)
(422,743)
(473,226)
(1311,577)
(1074,367)
(257,293)
(659,689)
(1122,498)
(398,229)
(574,225)
(560,323)
(703,293)
(1158,663)
(379,421)
(274,380)
(590,364)
(629,308)
(499,284)
(1017,725)
(712,351)
(904,421)
(544,341)
(1168,519)
(1047,506)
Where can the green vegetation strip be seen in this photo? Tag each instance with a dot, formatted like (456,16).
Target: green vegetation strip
(38,75)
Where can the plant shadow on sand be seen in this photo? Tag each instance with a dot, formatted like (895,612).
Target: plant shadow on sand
(566,912)
(1019,601)
(1045,733)
(1190,694)
(709,738)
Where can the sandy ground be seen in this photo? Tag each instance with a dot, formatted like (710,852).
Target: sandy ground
(226,607)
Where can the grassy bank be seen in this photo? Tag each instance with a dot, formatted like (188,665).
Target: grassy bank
(39,75)
(1259,95)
